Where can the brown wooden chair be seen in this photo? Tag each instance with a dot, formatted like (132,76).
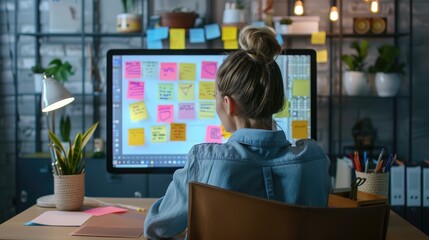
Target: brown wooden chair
(216,213)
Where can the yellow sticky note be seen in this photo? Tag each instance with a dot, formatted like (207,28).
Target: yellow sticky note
(177,38)
(322,56)
(138,111)
(206,110)
(299,129)
(229,33)
(187,71)
(225,134)
(178,132)
(206,91)
(230,44)
(136,136)
(301,88)
(318,38)
(285,112)
(186,92)
(158,133)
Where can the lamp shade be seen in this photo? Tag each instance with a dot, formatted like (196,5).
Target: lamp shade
(54,95)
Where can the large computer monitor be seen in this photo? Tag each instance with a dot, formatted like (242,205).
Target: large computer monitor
(161,102)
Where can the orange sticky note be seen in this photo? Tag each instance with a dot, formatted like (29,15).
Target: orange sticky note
(229,33)
(225,134)
(318,38)
(178,132)
(322,56)
(299,129)
(136,136)
(138,111)
(230,44)
(177,38)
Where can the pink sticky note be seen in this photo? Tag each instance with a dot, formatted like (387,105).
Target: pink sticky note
(213,134)
(168,71)
(135,90)
(165,113)
(99,211)
(208,70)
(133,69)
(186,110)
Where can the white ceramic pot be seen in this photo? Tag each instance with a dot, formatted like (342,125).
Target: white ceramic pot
(387,84)
(38,82)
(69,191)
(284,28)
(127,22)
(356,83)
(233,16)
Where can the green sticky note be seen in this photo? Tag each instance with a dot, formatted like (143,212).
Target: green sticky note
(301,88)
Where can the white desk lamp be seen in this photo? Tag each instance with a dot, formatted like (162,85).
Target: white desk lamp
(54,96)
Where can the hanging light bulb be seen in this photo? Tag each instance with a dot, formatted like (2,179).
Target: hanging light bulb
(374,7)
(299,8)
(333,15)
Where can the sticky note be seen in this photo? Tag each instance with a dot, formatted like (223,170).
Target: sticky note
(158,133)
(133,69)
(301,88)
(165,91)
(212,31)
(225,134)
(206,91)
(135,90)
(213,134)
(186,92)
(178,132)
(168,71)
(318,38)
(155,44)
(279,39)
(100,211)
(165,113)
(322,56)
(196,35)
(136,136)
(285,112)
(161,33)
(138,111)
(230,44)
(299,129)
(208,70)
(186,110)
(229,33)
(187,71)
(206,110)
(150,70)
(177,38)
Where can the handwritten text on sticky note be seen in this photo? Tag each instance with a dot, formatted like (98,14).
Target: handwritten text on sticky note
(138,111)
(213,134)
(206,110)
(168,71)
(186,92)
(165,113)
(206,91)
(150,70)
(159,133)
(187,71)
(208,70)
(136,136)
(178,132)
(135,90)
(299,129)
(186,110)
(165,91)
(133,69)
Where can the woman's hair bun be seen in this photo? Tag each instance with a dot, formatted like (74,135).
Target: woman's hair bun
(259,43)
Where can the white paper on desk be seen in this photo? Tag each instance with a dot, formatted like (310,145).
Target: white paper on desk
(343,177)
(62,218)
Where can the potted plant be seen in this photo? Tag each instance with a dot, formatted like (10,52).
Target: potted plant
(234,12)
(60,70)
(65,128)
(38,72)
(355,79)
(178,18)
(284,25)
(387,71)
(69,177)
(127,21)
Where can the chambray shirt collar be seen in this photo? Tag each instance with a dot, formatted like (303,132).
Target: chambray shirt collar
(259,137)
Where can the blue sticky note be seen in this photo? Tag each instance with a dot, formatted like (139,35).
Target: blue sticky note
(212,31)
(161,33)
(258,24)
(196,35)
(155,44)
(279,39)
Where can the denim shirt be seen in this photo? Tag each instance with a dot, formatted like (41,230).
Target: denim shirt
(261,163)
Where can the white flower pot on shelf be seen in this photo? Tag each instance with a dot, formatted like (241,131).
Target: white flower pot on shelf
(387,84)
(38,82)
(233,16)
(356,83)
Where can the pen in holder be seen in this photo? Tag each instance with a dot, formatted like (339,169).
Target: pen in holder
(376,183)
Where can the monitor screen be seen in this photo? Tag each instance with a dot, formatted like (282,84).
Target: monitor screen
(161,102)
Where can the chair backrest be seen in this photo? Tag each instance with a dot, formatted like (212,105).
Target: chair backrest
(216,213)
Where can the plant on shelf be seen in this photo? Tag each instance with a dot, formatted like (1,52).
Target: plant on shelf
(38,72)
(355,79)
(387,70)
(284,25)
(71,162)
(60,70)
(65,128)
(128,21)
(179,17)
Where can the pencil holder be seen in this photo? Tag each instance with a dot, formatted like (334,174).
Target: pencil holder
(69,191)
(376,183)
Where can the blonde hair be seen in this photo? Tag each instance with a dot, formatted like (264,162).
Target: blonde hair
(251,75)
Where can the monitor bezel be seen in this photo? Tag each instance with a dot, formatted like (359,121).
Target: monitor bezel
(109,75)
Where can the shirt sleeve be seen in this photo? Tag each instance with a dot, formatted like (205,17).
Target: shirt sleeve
(168,216)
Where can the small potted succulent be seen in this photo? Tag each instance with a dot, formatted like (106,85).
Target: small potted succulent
(355,80)
(128,21)
(38,72)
